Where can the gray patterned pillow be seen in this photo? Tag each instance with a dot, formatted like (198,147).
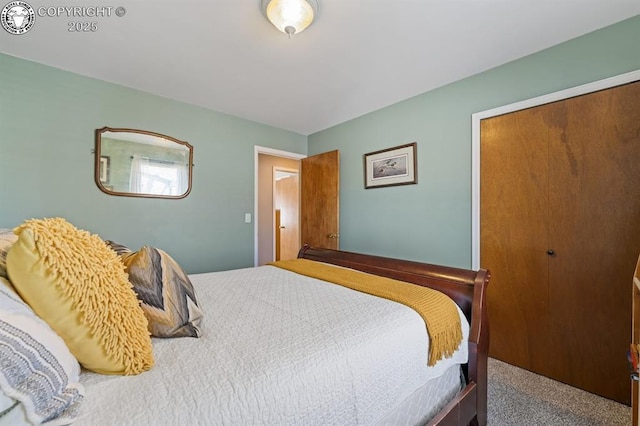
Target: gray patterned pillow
(167,295)
(7,238)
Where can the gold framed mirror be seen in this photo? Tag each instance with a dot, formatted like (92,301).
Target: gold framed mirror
(139,163)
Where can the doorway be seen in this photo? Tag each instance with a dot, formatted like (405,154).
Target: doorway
(266,160)
(319,200)
(286,212)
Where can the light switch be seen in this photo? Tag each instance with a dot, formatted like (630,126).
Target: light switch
(247,218)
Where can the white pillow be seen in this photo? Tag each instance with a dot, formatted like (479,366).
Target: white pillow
(36,367)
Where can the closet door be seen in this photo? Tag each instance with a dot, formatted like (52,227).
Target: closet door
(514,236)
(560,231)
(595,235)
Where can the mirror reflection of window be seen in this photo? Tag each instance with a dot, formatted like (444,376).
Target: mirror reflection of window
(157,177)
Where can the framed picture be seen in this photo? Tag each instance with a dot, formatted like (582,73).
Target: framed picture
(391,167)
(104,168)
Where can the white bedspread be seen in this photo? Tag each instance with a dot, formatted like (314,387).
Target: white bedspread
(277,348)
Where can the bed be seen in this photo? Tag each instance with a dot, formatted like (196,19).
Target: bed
(281,348)
(468,289)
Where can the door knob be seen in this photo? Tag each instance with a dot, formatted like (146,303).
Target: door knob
(333,236)
(551,252)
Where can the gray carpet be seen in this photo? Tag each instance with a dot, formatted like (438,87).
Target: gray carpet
(519,397)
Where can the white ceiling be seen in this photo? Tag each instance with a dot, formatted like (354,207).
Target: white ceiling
(357,57)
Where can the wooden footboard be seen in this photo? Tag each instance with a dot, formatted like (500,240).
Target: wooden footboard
(467,288)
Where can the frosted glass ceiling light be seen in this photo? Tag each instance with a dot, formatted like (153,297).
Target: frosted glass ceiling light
(290,16)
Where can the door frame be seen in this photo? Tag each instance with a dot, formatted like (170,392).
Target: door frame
(257,150)
(477,117)
(274,180)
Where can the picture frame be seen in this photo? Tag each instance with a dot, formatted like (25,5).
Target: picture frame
(105,161)
(391,167)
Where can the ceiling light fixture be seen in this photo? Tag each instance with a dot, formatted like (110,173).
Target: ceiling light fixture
(290,16)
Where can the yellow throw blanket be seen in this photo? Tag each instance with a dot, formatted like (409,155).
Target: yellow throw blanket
(437,309)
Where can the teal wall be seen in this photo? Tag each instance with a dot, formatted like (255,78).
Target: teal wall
(48,118)
(47,123)
(431,221)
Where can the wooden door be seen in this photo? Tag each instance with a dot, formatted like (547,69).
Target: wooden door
(514,236)
(562,238)
(287,233)
(595,234)
(320,200)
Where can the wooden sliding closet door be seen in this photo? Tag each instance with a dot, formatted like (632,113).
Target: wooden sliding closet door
(598,157)
(514,237)
(560,231)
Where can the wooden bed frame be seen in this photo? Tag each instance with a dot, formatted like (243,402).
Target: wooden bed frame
(468,289)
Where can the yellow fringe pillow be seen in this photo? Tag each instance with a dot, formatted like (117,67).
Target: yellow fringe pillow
(78,285)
